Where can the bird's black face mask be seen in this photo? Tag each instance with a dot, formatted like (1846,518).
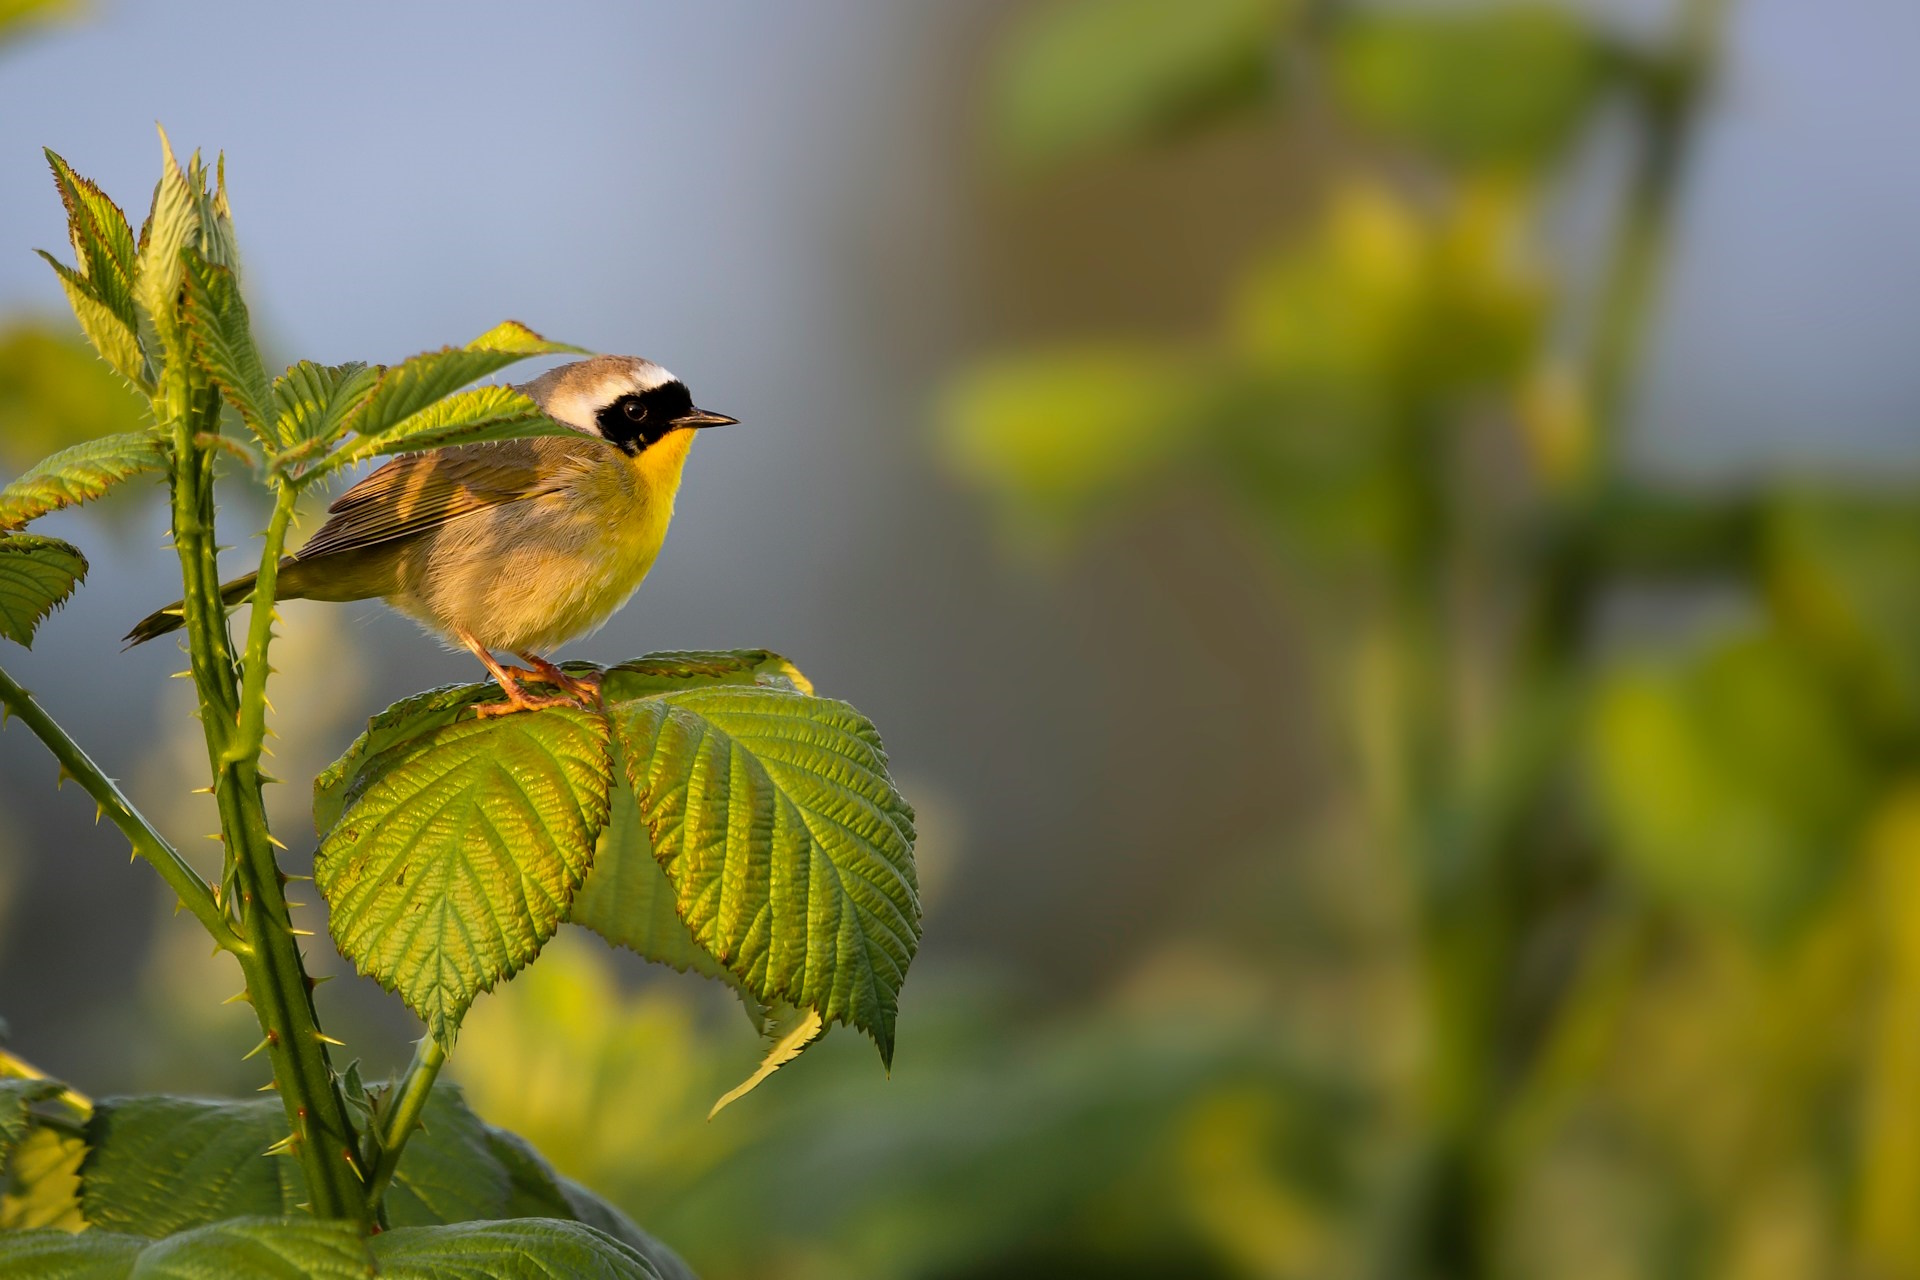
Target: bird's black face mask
(638,420)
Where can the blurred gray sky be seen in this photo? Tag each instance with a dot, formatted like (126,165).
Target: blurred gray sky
(782,203)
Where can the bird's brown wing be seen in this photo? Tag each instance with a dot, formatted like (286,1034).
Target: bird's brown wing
(418,492)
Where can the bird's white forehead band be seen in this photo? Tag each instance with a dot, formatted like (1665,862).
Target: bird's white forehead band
(575,393)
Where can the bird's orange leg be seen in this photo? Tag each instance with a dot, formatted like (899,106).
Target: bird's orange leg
(518,699)
(585,689)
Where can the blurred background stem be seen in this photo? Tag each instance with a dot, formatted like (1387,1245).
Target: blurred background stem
(1474,903)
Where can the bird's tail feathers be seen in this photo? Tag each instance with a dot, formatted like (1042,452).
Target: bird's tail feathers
(162,621)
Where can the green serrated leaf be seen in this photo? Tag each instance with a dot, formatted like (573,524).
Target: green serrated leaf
(456,1152)
(43,1183)
(635,678)
(36,577)
(1082,76)
(159,1165)
(172,224)
(45,1253)
(316,400)
(404,721)
(79,474)
(223,344)
(169,1165)
(627,899)
(414,385)
(536,1184)
(688,668)
(465,417)
(459,852)
(115,339)
(353,1090)
(788,847)
(216,241)
(520,1249)
(513,337)
(449,1172)
(102,240)
(257,1248)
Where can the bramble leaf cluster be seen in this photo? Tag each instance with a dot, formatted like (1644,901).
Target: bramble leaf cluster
(709,812)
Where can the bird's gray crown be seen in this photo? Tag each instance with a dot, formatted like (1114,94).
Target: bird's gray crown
(576,393)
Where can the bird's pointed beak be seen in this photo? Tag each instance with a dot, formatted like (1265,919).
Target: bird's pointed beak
(701,418)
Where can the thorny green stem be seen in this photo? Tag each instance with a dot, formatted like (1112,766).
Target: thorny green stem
(252,734)
(194,893)
(402,1114)
(232,719)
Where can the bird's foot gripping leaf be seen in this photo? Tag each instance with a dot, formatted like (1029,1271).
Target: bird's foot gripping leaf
(581,692)
(585,688)
(579,696)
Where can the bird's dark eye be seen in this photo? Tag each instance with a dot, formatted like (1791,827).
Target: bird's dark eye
(634,408)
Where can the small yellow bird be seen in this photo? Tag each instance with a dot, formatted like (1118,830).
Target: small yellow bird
(516,546)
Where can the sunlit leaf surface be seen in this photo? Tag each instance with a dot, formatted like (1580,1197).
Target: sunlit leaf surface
(459,852)
(789,849)
(79,474)
(36,577)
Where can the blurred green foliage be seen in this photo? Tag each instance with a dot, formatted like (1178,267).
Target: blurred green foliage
(1160,1137)
(1728,782)
(19,17)
(1082,76)
(1058,439)
(1487,86)
(1616,903)
(54,391)
(1638,756)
